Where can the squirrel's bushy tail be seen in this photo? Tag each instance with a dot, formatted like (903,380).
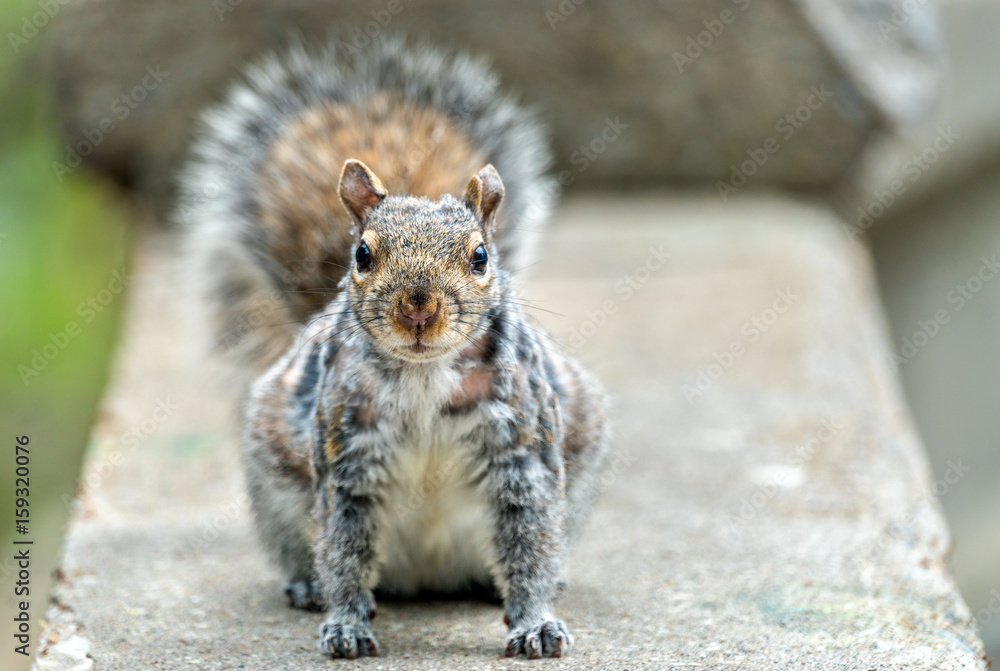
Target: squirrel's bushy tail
(265,240)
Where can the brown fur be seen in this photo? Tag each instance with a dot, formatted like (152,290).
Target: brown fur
(417,151)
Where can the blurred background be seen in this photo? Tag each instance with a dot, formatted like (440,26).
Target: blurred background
(886,110)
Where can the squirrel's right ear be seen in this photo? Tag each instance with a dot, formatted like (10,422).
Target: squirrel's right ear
(360,190)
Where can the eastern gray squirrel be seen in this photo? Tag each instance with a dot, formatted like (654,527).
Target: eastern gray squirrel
(411,430)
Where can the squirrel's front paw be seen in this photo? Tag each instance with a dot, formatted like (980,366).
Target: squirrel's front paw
(345,640)
(543,638)
(305,594)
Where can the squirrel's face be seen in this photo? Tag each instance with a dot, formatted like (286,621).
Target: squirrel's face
(423,278)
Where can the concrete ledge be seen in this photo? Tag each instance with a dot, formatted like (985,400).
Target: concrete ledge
(769,505)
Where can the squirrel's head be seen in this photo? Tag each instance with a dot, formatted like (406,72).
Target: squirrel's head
(424,273)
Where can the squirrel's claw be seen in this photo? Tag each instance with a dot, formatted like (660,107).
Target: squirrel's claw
(347,641)
(546,638)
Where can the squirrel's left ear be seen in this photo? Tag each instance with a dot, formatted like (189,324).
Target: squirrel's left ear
(483,196)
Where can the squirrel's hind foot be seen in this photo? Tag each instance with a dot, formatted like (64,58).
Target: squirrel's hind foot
(305,594)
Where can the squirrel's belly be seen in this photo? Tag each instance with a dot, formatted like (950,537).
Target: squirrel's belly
(435,531)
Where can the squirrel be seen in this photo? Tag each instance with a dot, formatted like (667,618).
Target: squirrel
(265,239)
(418,432)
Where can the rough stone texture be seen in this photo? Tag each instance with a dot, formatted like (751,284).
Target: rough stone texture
(734,530)
(597,60)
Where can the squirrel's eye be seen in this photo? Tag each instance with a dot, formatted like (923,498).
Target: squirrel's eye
(363,257)
(479,259)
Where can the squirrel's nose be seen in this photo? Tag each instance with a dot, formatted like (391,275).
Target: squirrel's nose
(419,315)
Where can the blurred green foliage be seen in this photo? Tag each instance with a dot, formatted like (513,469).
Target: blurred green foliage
(60,245)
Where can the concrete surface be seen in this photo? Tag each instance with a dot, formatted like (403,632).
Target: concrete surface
(783,518)
(688,86)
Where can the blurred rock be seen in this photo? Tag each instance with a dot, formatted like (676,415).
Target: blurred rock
(906,169)
(696,87)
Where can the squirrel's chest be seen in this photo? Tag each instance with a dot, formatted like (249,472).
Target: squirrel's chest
(435,530)
(428,408)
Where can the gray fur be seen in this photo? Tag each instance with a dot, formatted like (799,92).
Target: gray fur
(387,451)
(239,287)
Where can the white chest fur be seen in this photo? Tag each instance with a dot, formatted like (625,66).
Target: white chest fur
(435,528)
